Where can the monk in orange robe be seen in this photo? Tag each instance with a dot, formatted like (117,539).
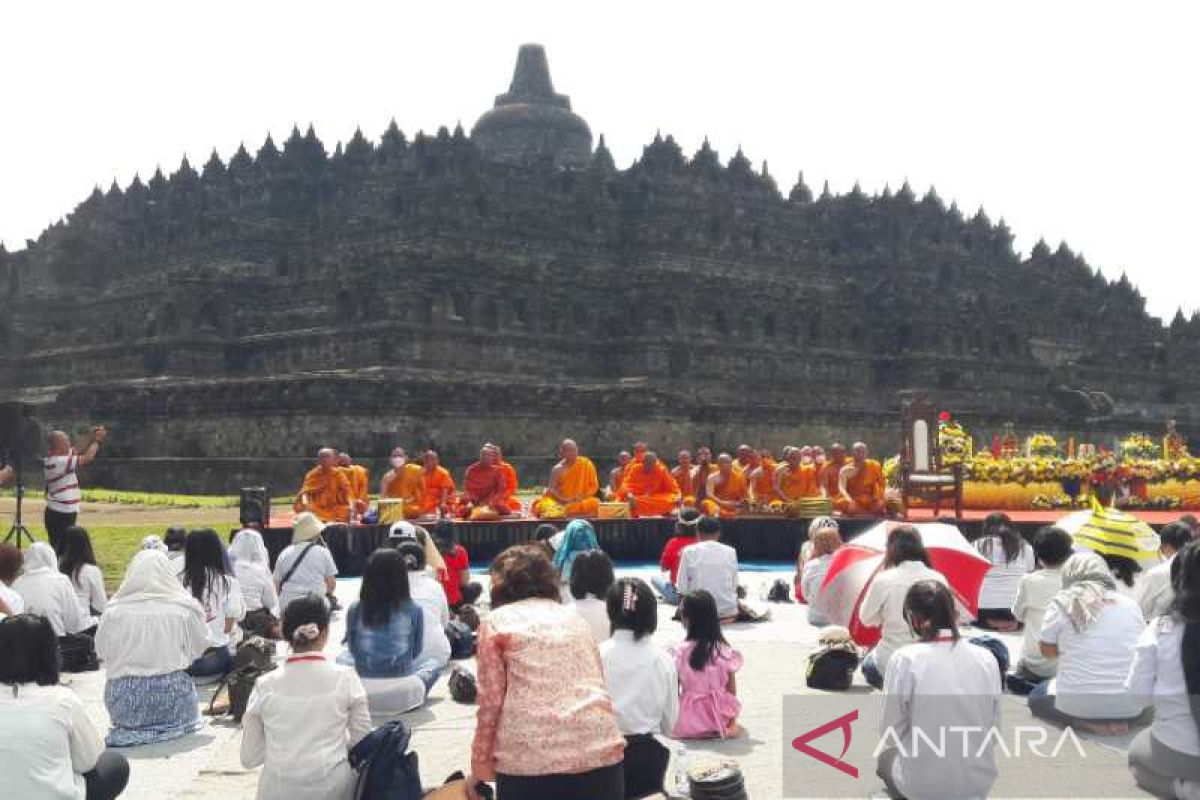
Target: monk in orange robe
(485,488)
(728,491)
(747,459)
(439,486)
(684,474)
(762,479)
(511,484)
(360,481)
(639,452)
(571,491)
(616,476)
(649,488)
(325,491)
(405,481)
(703,470)
(862,489)
(794,479)
(830,474)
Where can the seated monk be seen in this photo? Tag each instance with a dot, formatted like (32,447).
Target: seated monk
(325,491)
(862,489)
(700,474)
(795,480)
(747,459)
(617,475)
(649,488)
(685,476)
(639,453)
(510,482)
(360,481)
(762,479)
(404,481)
(830,474)
(484,488)
(439,487)
(728,491)
(571,491)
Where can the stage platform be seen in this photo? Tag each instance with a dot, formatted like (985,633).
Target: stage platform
(758,538)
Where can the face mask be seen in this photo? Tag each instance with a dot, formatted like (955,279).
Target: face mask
(398,461)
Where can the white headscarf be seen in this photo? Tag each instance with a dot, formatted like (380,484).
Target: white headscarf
(40,557)
(1086,582)
(248,548)
(150,578)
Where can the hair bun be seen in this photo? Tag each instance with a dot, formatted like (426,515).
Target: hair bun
(306,633)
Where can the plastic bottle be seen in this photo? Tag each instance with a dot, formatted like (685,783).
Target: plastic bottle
(681,784)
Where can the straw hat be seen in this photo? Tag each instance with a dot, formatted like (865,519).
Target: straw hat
(306,527)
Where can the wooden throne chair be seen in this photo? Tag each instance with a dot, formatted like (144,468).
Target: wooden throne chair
(922,475)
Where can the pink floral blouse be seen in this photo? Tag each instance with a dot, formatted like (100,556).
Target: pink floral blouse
(543,705)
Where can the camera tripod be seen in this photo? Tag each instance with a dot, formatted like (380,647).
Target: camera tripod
(18,532)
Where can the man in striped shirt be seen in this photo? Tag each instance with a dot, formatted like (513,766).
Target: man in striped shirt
(62,481)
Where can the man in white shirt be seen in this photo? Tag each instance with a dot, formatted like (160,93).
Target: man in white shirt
(1052,546)
(1153,592)
(62,481)
(711,566)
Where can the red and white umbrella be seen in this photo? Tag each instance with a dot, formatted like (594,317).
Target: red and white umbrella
(856,564)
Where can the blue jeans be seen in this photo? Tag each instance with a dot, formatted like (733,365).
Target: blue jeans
(666,589)
(871,672)
(215,661)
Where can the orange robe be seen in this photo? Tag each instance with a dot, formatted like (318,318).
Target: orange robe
(799,483)
(866,490)
(407,484)
(830,475)
(762,487)
(733,489)
(656,491)
(686,481)
(510,487)
(484,487)
(439,490)
(360,481)
(328,493)
(577,480)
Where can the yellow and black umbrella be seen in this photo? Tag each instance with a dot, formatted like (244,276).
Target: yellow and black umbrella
(1111,532)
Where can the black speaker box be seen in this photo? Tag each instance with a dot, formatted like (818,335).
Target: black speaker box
(255,506)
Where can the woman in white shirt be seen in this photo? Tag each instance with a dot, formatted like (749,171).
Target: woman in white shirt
(591,578)
(49,748)
(303,717)
(1011,558)
(1092,629)
(642,681)
(149,635)
(305,566)
(10,567)
(825,541)
(904,563)
(207,578)
(49,593)
(252,568)
(1165,758)
(1052,546)
(78,562)
(919,678)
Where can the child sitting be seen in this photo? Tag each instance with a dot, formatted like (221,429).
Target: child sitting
(708,704)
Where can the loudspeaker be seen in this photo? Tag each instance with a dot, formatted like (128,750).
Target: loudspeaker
(255,507)
(20,434)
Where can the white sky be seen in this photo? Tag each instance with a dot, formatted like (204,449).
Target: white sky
(1072,120)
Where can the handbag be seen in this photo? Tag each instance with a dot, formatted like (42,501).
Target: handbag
(259,622)
(252,660)
(78,653)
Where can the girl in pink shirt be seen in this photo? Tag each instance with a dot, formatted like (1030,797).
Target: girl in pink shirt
(708,704)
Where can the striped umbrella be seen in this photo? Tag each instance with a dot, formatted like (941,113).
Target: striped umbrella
(1111,532)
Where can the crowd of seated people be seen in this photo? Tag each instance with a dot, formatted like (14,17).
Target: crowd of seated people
(575,698)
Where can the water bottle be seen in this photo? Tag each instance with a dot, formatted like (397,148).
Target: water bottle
(682,785)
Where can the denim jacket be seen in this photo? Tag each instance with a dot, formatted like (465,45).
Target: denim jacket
(386,651)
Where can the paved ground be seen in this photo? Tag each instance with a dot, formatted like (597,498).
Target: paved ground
(205,765)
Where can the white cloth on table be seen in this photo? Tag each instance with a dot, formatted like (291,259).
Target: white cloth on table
(883,606)
(47,742)
(937,686)
(712,566)
(1157,676)
(1154,592)
(642,682)
(48,592)
(300,723)
(595,613)
(1093,663)
(999,587)
(309,577)
(89,587)
(1034,594)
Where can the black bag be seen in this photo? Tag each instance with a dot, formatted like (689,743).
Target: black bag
(463,688)
(252,661)
(386,770)
(462,639)
(78,653)
(780,592)
(259,622)
(831,669)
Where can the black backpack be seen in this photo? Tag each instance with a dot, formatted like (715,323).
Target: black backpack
(386,770)
(462,639)
(831,669)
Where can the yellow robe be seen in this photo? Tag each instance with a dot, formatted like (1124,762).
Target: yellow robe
(360,481)
(799,483)
(762,488)
(732,490)
(867,491)
(439,491)
(407,484)
(656,491)
(328,493)
(577,480)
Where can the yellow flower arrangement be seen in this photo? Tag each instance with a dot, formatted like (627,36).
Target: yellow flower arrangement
(1042,445)
(1139,447)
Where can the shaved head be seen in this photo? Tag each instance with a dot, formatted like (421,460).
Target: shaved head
(568,449)
(649,459)
(343,459)
(725,462)
(430,457)
(327,456)
(58,442)
(623,457)
(684,457)
(859,451)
